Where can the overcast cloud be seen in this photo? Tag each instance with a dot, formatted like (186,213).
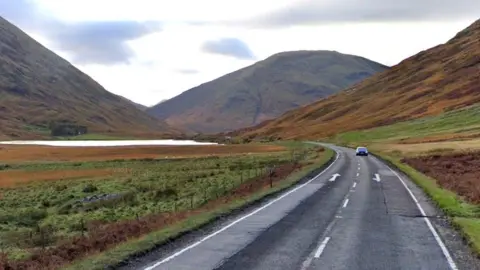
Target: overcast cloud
(150,50)
(314,12)
(86,42)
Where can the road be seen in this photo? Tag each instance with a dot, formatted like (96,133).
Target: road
(357,214)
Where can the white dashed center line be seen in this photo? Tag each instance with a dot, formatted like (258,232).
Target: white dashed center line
(354,184)
(345,203)
(322,247)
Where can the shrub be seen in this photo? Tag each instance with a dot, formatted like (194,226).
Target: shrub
(90,188)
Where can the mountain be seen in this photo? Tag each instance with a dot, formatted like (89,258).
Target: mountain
(39,90)
(137,105)
(437,80)
(264,90)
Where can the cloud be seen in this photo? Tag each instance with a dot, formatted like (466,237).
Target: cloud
(230,47)
(314,12)
(86,42)
(100,42)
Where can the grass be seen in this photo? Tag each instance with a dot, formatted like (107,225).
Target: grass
(152,240)
(459,121)
(12,154)
(45,212)
(471,230)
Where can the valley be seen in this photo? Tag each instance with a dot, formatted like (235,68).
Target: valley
(285,127)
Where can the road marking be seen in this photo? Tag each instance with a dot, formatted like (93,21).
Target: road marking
(321,248)
(359,168)
(240,219)
(354,184)
(345,203)
(334,177)
(377,177)
(429,224)
(358,174)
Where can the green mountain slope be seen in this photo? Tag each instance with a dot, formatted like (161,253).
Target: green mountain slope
(37,87)
(264,90)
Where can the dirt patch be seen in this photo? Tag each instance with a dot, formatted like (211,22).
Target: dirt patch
(456,172)
(101,237)
(16,153)
(13,178)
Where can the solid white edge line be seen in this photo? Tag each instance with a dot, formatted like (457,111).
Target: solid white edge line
(447,255)
(321,248)
(242,218)
(345,203)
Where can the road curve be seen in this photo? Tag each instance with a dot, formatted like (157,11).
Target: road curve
(356,214)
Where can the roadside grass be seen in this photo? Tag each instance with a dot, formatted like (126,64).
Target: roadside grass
(471,231)
(463,121)
(41,214)
(428,148)
(148,242)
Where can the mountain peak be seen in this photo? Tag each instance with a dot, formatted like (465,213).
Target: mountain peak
(264,90)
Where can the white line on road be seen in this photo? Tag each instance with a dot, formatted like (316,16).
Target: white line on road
(358,174)
(429,224)
(354,184)
(345,203)
(240,219)
(322,247)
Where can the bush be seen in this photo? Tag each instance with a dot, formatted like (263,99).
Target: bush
(90,188)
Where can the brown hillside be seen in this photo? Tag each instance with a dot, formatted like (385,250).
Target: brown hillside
(440,79)
(38,87)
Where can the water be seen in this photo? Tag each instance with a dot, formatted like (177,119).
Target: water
(91,143)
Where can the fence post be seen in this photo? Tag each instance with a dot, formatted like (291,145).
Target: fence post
(191,201)
(270,174)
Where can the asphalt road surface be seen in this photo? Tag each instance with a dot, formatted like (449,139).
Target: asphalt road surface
(357,214)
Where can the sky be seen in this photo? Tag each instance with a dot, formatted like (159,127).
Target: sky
(151,50)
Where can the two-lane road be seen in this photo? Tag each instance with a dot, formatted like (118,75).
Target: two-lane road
(356,214)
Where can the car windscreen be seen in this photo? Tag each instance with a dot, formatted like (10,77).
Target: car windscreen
(363,149)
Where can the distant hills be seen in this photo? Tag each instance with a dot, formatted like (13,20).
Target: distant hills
(264,90)
(39,89)
(443,78)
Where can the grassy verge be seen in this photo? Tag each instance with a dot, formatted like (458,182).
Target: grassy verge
(464,216)
(153,240)
(464,121)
